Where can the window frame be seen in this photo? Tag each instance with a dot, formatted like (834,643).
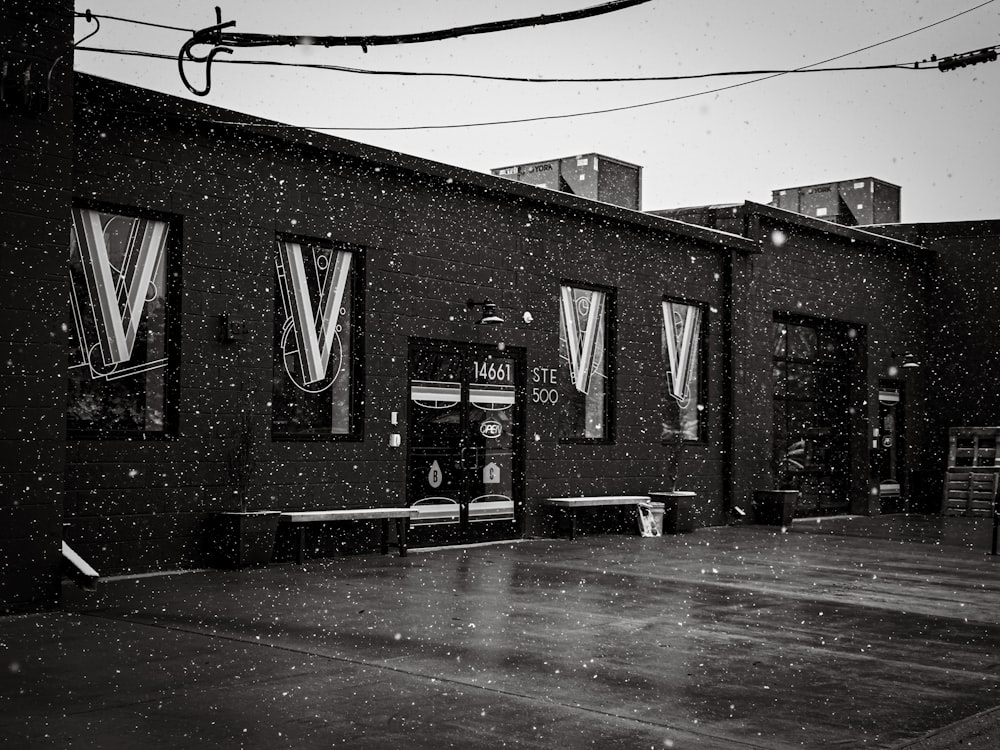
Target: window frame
(357,286)
(702,365)
(610,351)
(173,298)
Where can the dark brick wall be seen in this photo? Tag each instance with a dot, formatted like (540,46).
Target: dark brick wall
(963,357)
(35,190)
(884,292)
(431,244)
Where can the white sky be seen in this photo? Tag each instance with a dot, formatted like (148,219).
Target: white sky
(934,134)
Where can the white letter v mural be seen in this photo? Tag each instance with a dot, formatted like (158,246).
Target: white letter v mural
(117,295)
(315,329)
(681,324)
(583,346)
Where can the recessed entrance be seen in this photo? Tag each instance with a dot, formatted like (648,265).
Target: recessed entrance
(812,361)
(466,434)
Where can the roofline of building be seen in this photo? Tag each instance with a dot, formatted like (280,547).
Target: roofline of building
(837,182)
(855,234)
(707,207)
(615,159)
(951,227)
(147,102)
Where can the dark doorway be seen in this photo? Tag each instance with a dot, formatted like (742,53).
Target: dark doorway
(812,422)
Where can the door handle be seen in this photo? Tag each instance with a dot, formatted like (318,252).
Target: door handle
(465,457)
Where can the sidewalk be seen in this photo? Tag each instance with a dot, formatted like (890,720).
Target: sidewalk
(725,638)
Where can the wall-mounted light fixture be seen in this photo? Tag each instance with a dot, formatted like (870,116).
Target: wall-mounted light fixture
(234,330)
(490,316)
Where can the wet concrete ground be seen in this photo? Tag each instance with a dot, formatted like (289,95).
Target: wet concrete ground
(735,637)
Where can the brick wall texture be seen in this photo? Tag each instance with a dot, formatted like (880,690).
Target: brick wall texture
(35,196)
(431,241)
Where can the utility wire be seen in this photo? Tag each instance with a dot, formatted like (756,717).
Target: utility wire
(215,34)
(658,101)
(766,75)
(88,15)
(520,79)
(223,41)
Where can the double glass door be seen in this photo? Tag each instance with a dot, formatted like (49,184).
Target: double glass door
(464,469)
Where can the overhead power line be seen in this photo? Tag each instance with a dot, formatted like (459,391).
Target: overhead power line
(88,15)
(522,79)
(946,63)
(225,41)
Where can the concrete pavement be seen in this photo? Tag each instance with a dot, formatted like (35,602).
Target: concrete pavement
(737,637)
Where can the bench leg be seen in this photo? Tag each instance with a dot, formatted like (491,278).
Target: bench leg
(385,536)
(572,522)
(302,544)
(401,526)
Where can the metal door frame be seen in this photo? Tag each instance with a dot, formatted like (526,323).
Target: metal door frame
(842,481)
(899,409)
(463,531)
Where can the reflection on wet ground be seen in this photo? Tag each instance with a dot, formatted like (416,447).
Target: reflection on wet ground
(728,638)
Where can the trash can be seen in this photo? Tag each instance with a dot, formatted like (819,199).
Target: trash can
(657,512)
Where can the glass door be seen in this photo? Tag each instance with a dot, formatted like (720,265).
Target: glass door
(887,447)
(811,378)
(464,470)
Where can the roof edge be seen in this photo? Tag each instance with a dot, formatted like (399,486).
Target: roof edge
(852,233)
(159,104)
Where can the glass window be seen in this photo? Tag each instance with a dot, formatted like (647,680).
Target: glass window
(316,347)
(811,374)
(118,341)
(682,347)
(583,350)
(802,342)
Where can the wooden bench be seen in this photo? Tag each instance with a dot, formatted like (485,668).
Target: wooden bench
(570,505)
(402,516)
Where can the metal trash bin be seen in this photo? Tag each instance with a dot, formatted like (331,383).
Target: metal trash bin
(656,509)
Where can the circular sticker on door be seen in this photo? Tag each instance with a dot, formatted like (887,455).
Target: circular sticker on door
(491,428)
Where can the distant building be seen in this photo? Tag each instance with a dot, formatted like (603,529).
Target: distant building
(593,176)
(853,203)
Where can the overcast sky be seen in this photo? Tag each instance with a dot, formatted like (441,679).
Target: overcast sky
(934,134)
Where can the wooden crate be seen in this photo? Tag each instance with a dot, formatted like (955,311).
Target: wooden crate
(970,492)
(973,447)
(970,484)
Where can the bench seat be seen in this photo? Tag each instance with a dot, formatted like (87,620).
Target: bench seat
(570,504)
(402,517)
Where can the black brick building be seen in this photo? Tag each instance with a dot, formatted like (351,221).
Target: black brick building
(201,276)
